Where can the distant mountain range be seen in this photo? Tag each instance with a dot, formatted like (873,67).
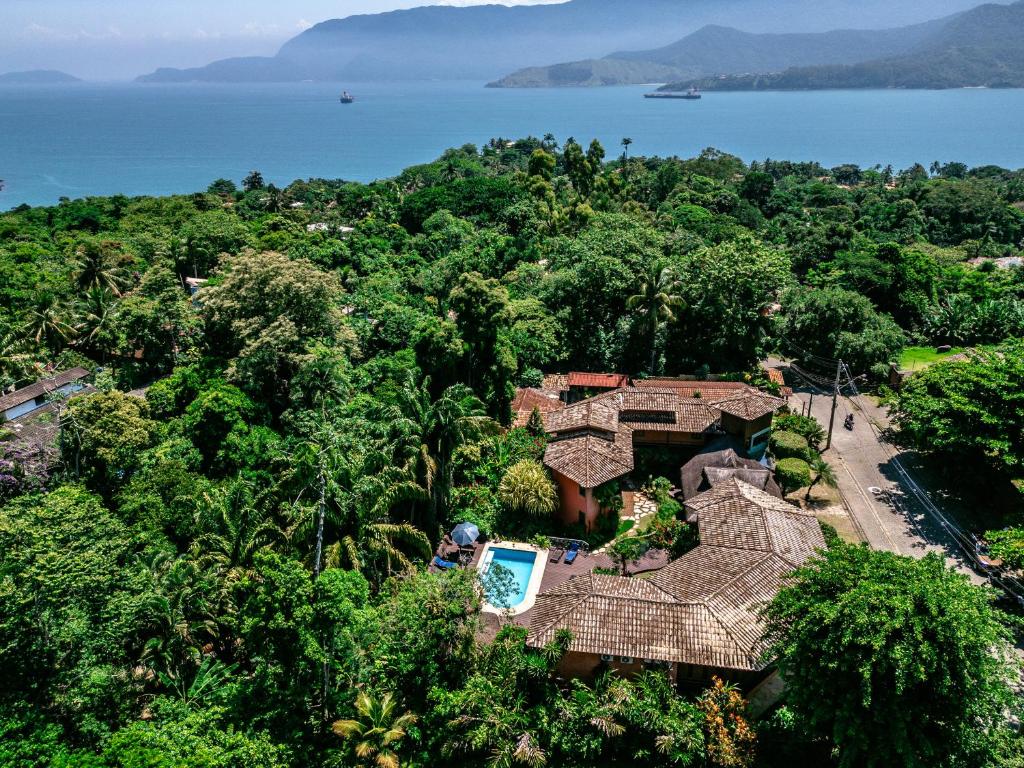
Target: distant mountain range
(485,41)
(37,77)
(714,50)
(980,47)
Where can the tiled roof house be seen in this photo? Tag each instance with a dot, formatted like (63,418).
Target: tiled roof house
(593,440)
(698,616)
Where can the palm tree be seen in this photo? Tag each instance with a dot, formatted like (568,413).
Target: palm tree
(656,301)
(386,546)
(625,148)
(45,322)
(427,433)
(95,312)
(95,266)
(236,530)
(16,359)
(823,473)
(378,731)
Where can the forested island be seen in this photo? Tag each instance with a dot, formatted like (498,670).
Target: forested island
(37,77)
(975,48)
(243,422)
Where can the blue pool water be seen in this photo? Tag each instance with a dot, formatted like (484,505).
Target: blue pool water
(521,565)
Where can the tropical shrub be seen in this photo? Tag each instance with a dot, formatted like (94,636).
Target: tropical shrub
(792,473)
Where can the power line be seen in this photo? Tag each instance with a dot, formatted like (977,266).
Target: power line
(966,541)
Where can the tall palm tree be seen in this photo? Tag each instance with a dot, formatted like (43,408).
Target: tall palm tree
(16,358)
(656,301)
(377,732)
(95,313)
(381,546)
(236,530)
(46,321)
(427,433)
(96,266)
(823,473)
(625,148)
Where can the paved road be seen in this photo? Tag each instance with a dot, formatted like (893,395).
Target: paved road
(863,462)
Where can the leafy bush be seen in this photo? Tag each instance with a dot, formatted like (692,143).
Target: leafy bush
(789,445)
(792,474)
(527,488)
(805,426)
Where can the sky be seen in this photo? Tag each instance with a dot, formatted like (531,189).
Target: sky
(120,39)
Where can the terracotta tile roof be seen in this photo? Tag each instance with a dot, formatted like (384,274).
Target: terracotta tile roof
(598,380)
(749,404)
(775,375)
(709,391)
(587,415)
(528,398)
(556,382)
(701,609)
(645,626)
(735,514)
(590,460)
(41,387)
(661,410)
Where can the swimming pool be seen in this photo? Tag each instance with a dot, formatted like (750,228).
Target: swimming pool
(521,563)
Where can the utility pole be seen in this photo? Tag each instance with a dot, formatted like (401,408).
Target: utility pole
(835,402)
(810,404)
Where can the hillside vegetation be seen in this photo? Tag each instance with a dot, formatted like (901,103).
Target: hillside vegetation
(224,562)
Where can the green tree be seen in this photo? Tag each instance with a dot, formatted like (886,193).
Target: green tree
(894,660)
(728,287)
(839,324)
(103,435)
(972,409)
(656,302)
(265,313)
(792,474)
(628,549)
(46,321)
(823,473)
(254,181)
(378,731)
(527,488)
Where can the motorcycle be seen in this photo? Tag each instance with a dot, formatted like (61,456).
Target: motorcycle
(849,422)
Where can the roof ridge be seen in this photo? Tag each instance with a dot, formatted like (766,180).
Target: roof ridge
(672,598)
(764,556)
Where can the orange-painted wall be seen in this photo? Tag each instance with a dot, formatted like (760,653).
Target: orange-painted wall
(572,503)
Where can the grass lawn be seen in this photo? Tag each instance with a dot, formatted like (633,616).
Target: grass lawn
(916,358)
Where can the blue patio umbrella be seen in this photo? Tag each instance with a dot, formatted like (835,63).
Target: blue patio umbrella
(465,534)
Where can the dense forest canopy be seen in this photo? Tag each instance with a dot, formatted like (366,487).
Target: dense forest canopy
(224,565)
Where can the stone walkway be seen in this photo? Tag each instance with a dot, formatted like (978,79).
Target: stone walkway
(642,508)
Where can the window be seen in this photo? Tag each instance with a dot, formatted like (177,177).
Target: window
(626,659)
(583,491)
(607,657)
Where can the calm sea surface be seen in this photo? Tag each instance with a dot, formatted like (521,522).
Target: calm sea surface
(153,139)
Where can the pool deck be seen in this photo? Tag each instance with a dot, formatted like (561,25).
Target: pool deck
(559,573)
(537,571)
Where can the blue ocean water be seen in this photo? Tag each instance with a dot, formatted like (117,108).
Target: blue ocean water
(73,141)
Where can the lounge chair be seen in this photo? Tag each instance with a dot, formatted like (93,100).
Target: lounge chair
(444,565)
(572,552)
(556,554)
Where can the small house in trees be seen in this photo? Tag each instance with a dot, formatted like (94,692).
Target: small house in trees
(24,401)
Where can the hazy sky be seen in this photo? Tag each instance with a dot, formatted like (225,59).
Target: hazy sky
(119,39)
